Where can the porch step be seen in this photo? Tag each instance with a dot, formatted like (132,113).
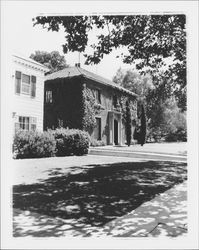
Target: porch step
(143,155)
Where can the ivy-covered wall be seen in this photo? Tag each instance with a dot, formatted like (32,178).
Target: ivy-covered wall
(74,105)
(65,109)
(107,104)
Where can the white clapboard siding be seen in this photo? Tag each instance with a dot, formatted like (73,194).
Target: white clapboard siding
(25,105)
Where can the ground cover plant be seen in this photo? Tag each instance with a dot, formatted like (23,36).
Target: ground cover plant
(96,194)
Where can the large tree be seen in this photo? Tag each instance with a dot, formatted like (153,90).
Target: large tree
(159,101)
(53,60)
(149,39)
(133,81)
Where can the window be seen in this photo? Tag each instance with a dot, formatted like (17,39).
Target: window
(60,123)
(98,96)
(25,84)
(33,123)
(26,123)
(97,130)
(115,101)
(49,96)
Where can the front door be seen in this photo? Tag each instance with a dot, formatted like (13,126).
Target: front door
(115,132)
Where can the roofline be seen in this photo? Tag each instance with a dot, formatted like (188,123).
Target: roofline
(83,74)
(30,60)
(112,86)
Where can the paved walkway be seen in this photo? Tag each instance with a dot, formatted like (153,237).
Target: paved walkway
(176,148)
(151,151)
(165,215)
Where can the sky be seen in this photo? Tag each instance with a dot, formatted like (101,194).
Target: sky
(26,39)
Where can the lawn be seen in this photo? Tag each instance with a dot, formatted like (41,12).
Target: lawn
(96,194)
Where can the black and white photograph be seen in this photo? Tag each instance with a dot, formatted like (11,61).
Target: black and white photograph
(99,124)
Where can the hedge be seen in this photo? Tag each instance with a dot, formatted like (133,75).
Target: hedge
(59,142)
(34,144)
(71,142)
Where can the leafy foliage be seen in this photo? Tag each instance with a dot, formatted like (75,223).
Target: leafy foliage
(53,60)
(90,111)
(167,121)
(60,142)
(33,144)
(71,142)
(133,81)
(162,111)
(149,39)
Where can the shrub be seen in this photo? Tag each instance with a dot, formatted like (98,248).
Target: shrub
(179,135)
(71,142)
(96,143)
(33,144)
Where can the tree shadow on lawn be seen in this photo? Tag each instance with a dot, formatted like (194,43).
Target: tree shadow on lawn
(97,194)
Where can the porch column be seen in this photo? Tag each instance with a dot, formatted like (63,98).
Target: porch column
(120,130)
(111,128)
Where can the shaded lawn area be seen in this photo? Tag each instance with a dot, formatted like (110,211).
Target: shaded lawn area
(97,194)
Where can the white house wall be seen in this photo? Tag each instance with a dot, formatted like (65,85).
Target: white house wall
(25,105)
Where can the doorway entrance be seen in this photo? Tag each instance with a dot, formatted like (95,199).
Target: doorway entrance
(115,132)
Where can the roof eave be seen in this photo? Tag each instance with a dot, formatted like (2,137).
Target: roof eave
(112,86)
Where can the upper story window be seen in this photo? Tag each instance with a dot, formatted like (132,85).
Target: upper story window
(115,102)
(49,96)
(98,96)
(25,84)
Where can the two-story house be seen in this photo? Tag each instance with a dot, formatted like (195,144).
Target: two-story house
(28,93)
(64,104)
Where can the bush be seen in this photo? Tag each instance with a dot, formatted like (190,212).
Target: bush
(179,135)
(71,142)
(33,144)
(96,143)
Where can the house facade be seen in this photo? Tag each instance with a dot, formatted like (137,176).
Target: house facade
(27,93)
(73,97)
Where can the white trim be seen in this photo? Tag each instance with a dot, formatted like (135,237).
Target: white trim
(30,63)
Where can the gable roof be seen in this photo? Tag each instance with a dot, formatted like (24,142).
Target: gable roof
(29,61)
(77,71)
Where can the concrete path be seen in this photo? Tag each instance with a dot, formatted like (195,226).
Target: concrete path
(165,215)
(153,151)
(177,148)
